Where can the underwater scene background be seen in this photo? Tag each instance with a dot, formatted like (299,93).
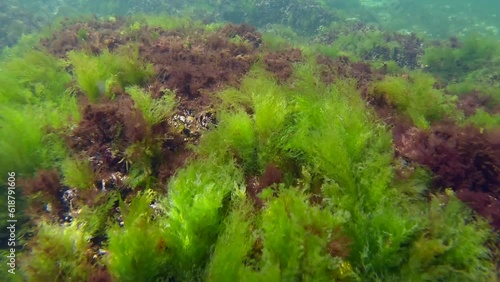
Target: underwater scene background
(251,140)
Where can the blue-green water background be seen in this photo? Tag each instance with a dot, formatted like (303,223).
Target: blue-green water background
(438,19)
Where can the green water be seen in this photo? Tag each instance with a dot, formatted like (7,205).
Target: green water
(434,18)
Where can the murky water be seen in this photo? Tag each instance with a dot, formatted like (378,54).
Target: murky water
(433,18)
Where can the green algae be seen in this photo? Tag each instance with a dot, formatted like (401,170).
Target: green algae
(59,255)
(97,75)
(153,110)
(417,98)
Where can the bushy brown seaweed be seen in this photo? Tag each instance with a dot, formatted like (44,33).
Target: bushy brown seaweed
(105,131)
(193,63)
(342,68)
(280,63)
(92,36)
(244,31)
(48,196)
(339,246)
(465,159)
(469,103)
(101,275)
(255,184)
(46,182)
(200,63)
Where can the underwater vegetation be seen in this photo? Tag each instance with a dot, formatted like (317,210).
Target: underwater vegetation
(97,76)
(454,60)
(415,96)
(159,149)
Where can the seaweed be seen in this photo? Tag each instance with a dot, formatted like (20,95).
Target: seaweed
(77,173)
(359,41)
(234,243)
(32,77)
(196,214)
(59,254)
(484,120)
(454,63)
(341,143)
(154,111)
(98,215)
(199,64)
(21,140)
(109,73)
(416,97)
(295,238)
(140,240)
(464,159)
(105,132)
(254,139)
(290,240)
(281,63)
(452,247)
